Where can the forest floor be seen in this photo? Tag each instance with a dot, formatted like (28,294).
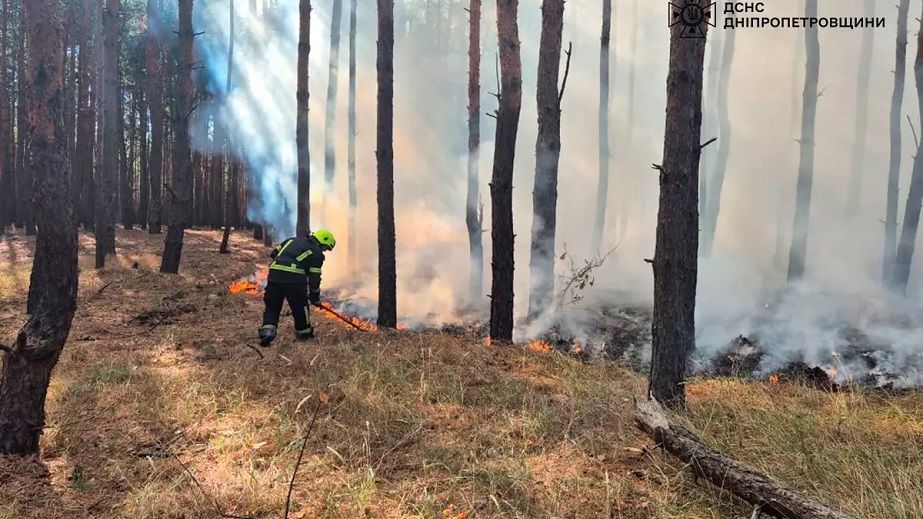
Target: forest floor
(159,408)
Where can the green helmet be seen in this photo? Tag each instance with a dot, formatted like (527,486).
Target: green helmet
(325,237)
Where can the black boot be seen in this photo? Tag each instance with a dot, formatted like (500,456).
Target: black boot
(267,334)
(305,335)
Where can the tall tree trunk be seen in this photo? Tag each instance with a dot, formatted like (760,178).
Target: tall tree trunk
(231,193)
(303,220)
(854,189)
(547,154)
(126,199)
(6,165)
(677,242)
(894,164)
(602,190)
(351,237)
(716,179)
(798,251)
(908,237)
(28,364)
(332,83)
(181,192)
(24,174)
(154,86)
(501,184)
(82,163)
(387,267)
(144,187)
(107,190)
(473,208)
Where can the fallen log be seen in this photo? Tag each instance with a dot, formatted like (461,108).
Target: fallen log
(766,495)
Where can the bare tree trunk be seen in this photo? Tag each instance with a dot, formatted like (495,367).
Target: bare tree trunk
(6,165)
(332,83)
(547,154)
(107,191)
(126,198)
(908,237)
(857,168)
(303,222)
(602,190)
(28,363)
(181,191)
(144,187)
(353,259)
(86,119)
(387,267)
(716,180)
(501,184)
(154,86)
(473,209)
(894,164)
(677,243)
(798,251)
(231,193)
(24,170)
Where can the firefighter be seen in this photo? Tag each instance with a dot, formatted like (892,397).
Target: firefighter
(294,276)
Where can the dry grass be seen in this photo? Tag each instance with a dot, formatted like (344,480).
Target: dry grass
(410,424)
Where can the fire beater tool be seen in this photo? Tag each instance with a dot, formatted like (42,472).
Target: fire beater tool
(338,315)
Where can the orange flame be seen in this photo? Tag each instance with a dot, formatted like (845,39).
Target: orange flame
(539,345)
(251,285)
(362,324)
(774,378)
(489,342)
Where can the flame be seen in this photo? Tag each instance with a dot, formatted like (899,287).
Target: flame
(774,378)
(362,324)
(489,342)
(832,372)
(539,345)
(253,285)
(576,349)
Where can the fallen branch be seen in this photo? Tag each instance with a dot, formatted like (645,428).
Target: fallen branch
(761,491)
(304,442)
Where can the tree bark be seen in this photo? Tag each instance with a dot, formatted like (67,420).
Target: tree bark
(181,191)
(332,83)
(854,189)
(602,190)
(28,365)
(547,154)
(353,259)
(767,495)
(716,179)
(154,86)
(501,184)
(908,236)
(107,189)
(894,163)
(473,209)
(126,196)
(387,268)
(798,251)
(677,241)
(303,221)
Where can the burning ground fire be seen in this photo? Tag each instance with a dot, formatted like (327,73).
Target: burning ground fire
(255,285)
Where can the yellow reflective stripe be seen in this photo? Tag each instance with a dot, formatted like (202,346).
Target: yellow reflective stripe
(304,255)
(284,247)
(286,268)
(315,270)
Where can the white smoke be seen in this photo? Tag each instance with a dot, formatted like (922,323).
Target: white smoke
(841,290)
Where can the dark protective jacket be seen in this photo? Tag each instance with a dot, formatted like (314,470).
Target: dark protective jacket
(294,260)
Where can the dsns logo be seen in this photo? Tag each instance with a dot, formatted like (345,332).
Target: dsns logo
(692,15)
